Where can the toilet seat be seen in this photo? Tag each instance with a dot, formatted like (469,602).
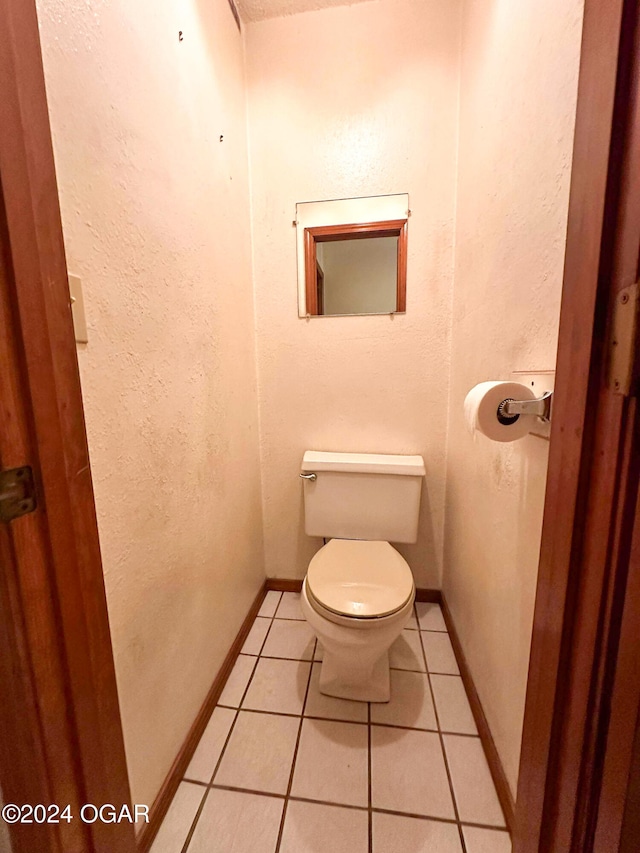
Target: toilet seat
(359,580)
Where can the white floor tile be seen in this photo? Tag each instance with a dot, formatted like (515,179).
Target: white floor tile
(233,822)
(439,652)
(319,705)
(411,704)
(255,638)
(312,828)
(454,711)
(412,624)
(394,834)
(319,652)
(406,652)
(408,773)
(211,745)
(178,820)
(289,607)
(486,840)
(472,783)
(270,603)
(237,681)
(430,616)
(332,763)
(259,753)
(278,686)
(289,639)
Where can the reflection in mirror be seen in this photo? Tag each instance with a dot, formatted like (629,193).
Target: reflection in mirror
(352,255)
(356,269)
(357,276)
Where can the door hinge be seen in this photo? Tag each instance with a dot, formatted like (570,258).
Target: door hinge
(622,342)
(17,493)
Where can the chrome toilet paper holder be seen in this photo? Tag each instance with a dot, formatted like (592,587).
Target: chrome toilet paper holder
(510,410)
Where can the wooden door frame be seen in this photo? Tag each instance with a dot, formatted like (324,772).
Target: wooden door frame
(64,713)
(592,484)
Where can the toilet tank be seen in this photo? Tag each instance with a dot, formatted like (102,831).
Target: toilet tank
(362,495)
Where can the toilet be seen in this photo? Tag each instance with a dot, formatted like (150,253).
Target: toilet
(359,591)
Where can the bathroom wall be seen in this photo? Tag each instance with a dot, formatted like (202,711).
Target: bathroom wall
(155,208)
(517,111)
(353,101)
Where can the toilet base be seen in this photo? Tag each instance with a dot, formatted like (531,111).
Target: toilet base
(375,688)
(355,662)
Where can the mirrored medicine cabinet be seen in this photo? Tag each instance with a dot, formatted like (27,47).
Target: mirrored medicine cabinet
(352,256)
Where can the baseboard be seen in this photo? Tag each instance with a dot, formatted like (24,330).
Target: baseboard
(284,585)
(162,802)
(493,759)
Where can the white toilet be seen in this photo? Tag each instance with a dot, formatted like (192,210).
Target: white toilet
(359,591)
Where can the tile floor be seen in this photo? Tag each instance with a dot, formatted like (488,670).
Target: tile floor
(283,769)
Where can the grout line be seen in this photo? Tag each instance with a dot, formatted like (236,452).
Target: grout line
(316,660)
(194,823)
(370,814)
(293,799)
(195,820)
(287,618)
(287,797)
(374,810)
(435,672)
(279,657)
(293,762)
(260,711)
(442,820)
(444,753)
(426,630)
(270,619)
(369,808)
(486,826)
(265,637)
(345,720)
(262,615)
(216,787)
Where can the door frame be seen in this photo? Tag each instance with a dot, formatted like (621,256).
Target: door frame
(61,737)
(581,507)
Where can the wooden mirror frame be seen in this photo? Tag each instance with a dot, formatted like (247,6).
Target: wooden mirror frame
(333,233)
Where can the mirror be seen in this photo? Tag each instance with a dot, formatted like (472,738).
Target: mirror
(352,256)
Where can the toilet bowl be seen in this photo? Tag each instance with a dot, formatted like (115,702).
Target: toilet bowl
(357,597)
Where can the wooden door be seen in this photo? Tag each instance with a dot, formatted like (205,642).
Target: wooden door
(60,733)
(583,690)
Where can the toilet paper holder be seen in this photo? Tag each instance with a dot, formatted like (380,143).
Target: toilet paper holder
(510,410)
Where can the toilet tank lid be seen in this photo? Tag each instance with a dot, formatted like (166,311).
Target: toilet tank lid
(363,463)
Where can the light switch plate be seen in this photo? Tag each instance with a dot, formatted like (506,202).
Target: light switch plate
(539,381)
(77,309)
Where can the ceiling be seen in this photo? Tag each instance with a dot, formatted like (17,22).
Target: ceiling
(258,10)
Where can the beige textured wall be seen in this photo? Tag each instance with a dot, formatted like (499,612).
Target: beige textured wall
(156,220)
(376,113)
(518,93)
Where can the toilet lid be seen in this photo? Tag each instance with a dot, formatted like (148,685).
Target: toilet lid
(353,577)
